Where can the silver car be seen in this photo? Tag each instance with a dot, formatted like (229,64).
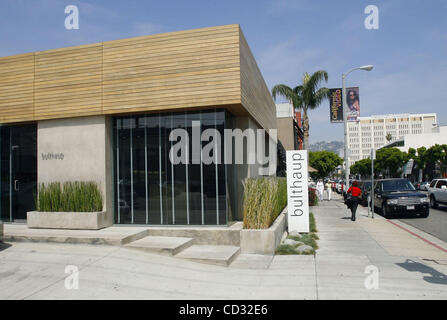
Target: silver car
(437,192)
(424,186)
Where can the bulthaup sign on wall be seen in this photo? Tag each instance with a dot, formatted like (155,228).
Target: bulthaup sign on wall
(297,192)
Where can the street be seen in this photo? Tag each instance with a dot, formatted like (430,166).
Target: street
(435,224)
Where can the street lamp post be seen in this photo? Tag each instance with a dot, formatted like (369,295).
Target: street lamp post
(345,120)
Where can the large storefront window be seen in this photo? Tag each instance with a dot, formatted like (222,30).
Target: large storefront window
(18,171)
(150,189)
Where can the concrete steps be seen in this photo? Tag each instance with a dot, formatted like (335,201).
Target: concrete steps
(185,248)
(115,235)
(211,254)
(211,245)
(161,245)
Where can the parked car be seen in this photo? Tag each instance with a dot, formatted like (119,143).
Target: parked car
(365,186)
(424,186)
(437,192)
(398,196)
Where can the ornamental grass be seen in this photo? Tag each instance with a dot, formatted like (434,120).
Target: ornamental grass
(264,199)
(71,196)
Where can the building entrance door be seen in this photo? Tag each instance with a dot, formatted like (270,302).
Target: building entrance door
(18,171)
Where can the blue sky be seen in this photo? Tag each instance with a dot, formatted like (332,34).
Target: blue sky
(287,37)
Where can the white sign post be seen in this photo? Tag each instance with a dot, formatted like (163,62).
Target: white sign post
(297,191)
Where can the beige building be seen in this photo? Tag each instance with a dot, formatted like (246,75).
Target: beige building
(371,132)
(438,135)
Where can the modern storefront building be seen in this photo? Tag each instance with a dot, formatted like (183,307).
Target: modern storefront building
(103,112)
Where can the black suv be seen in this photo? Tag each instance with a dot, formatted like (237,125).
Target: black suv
(399,196)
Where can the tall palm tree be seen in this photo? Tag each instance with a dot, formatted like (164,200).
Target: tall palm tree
(305,96)
(389,137)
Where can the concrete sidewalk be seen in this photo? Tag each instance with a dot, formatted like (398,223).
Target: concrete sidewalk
(408,268)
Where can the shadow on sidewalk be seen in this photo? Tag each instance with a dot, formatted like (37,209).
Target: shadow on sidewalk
(435,276)
(4,246)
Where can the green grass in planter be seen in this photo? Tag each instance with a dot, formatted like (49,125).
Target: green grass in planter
(76,196)
(264,199)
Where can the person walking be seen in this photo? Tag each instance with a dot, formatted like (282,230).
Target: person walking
(320,189)
(328,190)
(353,195)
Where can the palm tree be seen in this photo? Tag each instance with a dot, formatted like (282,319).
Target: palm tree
(389,137)
(421,158)
(305,96)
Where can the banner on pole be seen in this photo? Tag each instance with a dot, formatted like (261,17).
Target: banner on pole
(336,104)
(297,190)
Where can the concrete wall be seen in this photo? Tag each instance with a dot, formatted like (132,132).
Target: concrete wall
(264,241)
(286,133)
(77,149)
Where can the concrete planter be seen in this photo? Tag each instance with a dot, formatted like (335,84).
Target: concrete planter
(69,220)
(264,241)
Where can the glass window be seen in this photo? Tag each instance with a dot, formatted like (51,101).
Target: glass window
(18,171)
(139,161)
(5,173)
(209,174)
(150,189)
(194,176)
(153,170)
(123,174)
(180,189)
(166,170)
(397,185)
(441,183)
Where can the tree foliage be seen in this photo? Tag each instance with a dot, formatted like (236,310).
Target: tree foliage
(443,159)
(388,137)
(362,167)
(324,162)
(390,161)
(307,95)
(428,158)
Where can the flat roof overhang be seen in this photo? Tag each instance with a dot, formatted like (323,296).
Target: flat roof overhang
(193,69)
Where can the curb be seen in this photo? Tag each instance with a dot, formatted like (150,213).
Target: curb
(422,235)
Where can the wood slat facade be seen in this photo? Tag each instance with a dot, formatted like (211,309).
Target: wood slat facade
(202,68)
